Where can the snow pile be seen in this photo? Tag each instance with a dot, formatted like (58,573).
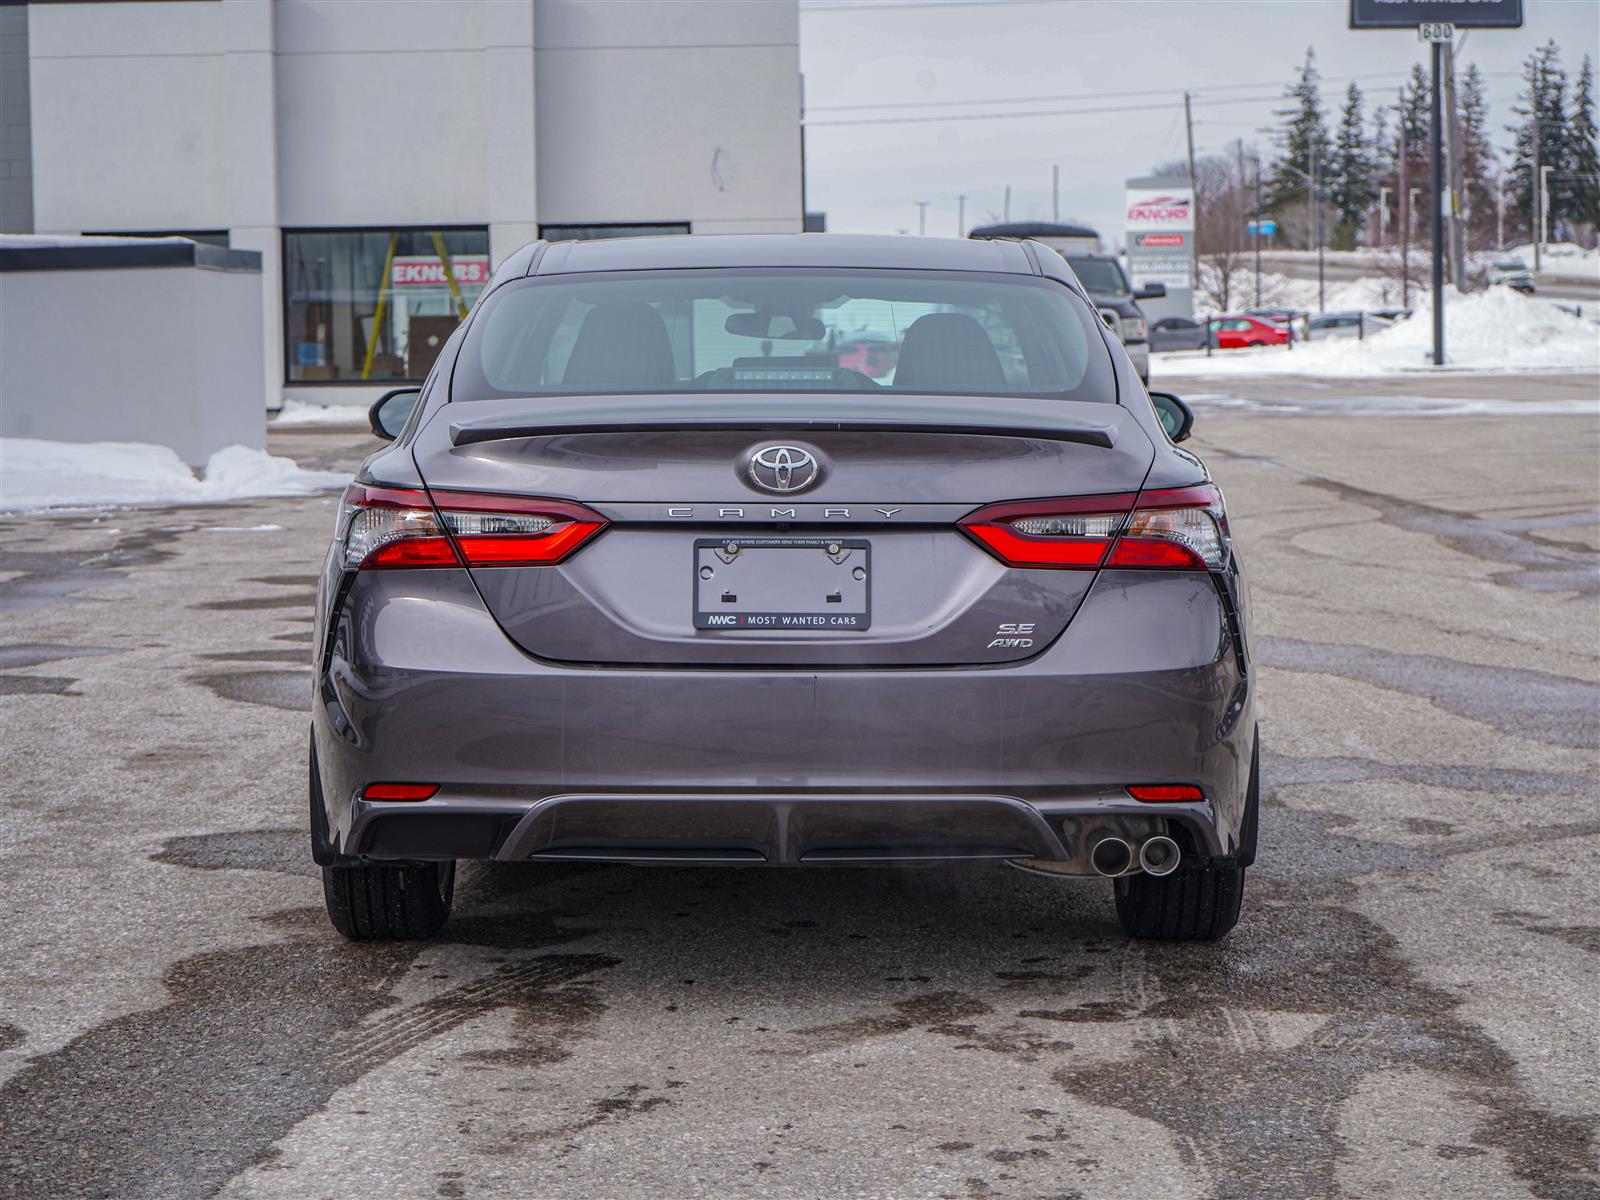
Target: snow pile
(55,241)
(40,474)
(1496,330)
(298,412)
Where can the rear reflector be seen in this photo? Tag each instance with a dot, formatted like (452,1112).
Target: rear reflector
(1159,793)
(394,527)
(399,791)
(1170,528)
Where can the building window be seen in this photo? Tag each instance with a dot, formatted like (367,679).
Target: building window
(584,233)
(376,305)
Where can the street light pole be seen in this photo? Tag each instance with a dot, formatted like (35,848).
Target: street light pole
(1258,232)
(961,216)
(1544,202)
(1316,199)
(1437,191)
(1405,207)
(922,218)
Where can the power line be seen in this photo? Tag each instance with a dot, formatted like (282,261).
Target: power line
(1053,112)
(1166,91)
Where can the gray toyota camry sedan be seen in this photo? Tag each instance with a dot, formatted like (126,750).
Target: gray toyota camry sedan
(806,550)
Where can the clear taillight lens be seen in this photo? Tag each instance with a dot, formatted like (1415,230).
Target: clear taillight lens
(1172,529)
(396,527)
(1134,327)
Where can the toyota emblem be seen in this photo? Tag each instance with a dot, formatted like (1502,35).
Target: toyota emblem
(783,469)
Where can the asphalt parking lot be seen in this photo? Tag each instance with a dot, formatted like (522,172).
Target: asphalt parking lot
(1408,1007)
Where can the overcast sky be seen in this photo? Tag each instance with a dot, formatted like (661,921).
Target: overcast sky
(874,58)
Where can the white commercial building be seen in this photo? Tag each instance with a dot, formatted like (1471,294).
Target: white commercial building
(382,155)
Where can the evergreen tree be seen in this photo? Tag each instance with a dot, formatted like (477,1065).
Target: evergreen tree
(1584,158)
(1479,177)
(1414,118)
(1542,105)
(1416,112)
(1302,129)
(1350,183)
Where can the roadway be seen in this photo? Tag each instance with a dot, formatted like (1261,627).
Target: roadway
(1409,1006)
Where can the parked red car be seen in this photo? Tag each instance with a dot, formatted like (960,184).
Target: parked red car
(1237,332)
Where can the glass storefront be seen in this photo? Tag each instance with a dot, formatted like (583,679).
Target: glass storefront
(376,305)
(584,233)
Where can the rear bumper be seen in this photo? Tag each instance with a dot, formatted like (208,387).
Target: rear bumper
(536,760)
(773,828)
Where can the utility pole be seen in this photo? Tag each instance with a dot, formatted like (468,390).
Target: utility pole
(1458,239)
(1436,178)
(1194,203)
(1316,199)
(1055,193)
(1500,213)
(1007,216)
(1535,198)
(1258,233)
(922,218)
(1405,208)
(961,216)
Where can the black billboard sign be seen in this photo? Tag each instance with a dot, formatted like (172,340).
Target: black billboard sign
(1408,14)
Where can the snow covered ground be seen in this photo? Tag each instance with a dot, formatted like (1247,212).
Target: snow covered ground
(298,412)
(39,474)
(1496,330)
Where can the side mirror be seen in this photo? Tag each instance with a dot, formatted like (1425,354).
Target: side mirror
(1177,418)
(1151,291)
(391,412)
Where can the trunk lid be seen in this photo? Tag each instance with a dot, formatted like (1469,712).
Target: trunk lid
(875,527)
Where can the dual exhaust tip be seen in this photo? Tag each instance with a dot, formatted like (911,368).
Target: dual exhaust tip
(1114,856)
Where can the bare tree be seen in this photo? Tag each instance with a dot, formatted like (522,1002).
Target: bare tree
(1224,189)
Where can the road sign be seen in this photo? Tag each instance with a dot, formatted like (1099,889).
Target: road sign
(1411,14)
(1436,31)
(1264,228)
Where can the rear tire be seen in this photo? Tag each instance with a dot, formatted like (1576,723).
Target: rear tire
(389,901)
(1193,904)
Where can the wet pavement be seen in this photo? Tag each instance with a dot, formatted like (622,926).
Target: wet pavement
(1408,1007)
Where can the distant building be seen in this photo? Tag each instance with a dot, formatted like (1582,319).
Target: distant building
(383,156)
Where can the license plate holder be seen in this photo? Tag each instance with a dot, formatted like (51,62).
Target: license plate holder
(783,584)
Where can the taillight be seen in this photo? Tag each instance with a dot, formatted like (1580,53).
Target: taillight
(1171,528)
(395,527)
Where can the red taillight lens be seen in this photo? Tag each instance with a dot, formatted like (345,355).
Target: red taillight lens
(394,527)
(400,791)
(1164,793)
(516,531)
(1072,533)
(1173,528)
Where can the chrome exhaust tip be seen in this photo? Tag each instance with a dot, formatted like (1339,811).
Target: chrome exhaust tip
(1159,855)
(1111,857)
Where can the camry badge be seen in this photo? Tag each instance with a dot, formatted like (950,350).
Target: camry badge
(782,469)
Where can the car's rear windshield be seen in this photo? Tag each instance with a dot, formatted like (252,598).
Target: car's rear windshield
(1100,276)
(784,330)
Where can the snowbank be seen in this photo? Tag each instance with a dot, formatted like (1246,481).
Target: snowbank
(40,474)
(298,412)
(1497,330)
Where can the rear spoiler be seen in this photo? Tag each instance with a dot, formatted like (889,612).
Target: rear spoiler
(1053,420)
